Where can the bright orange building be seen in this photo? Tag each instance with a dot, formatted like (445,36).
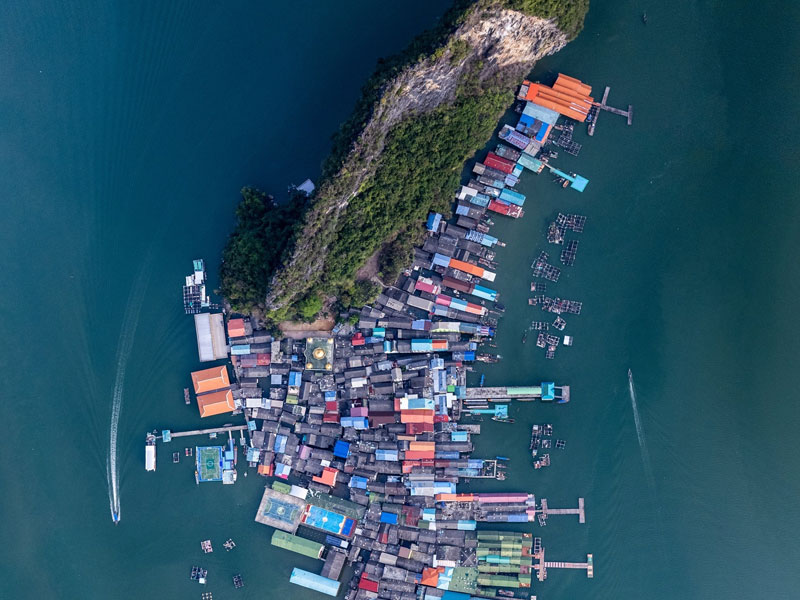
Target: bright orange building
(212,388)
(215,403)
(210,380)
(236,328)
(328,476)
(568,96)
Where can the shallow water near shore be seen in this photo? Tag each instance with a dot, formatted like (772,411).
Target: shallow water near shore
(126,136)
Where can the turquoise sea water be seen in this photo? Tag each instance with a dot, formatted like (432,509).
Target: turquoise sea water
(125,134)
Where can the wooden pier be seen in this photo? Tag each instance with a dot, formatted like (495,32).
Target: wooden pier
(546,511)
(628,114)
(226,429)
(506,394)
(541,565)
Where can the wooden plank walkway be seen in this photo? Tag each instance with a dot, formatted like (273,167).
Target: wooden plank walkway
(593,124)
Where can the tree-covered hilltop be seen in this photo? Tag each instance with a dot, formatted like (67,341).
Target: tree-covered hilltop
(257,246)
(420,117)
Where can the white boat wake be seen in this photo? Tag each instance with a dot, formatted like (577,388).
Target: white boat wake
(124,347)
(648,467)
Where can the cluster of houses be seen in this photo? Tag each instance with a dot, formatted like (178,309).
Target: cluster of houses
(359,431)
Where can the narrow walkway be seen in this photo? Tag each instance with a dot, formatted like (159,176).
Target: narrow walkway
(628,114)
(177,434)
(541,565)
(580,511)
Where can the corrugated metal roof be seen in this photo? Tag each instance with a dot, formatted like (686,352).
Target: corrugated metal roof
(210,332)
(314,582)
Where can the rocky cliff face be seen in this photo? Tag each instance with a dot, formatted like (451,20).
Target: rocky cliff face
(493,46)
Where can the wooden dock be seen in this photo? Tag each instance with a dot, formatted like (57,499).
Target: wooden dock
(541,565)
(546,511)
(226,429)
(506,394)
(628,114)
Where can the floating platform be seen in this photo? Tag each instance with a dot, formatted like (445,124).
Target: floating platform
(570,221)
(541,268)
(199,574)
(569,252)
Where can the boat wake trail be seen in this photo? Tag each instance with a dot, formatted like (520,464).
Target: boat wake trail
(124,347)
(648,467)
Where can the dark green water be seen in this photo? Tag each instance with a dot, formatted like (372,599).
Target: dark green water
(125,134)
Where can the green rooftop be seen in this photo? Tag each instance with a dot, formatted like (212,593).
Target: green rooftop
(295,543)
(464,579)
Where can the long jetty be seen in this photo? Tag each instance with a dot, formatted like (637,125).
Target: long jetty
(177,434)
(505,393)
(628,114)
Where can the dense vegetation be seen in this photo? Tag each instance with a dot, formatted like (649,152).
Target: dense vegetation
(417,171)
(262,236)
(569,14)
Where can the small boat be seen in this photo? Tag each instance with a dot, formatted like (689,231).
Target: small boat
(644,18)
(186,398)
(502,420)
(524,337)
(115,517)
(502,458)
(176,457)
(482,379)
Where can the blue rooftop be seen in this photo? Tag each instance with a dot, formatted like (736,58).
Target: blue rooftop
(434,219)
(341,449)
(314,582)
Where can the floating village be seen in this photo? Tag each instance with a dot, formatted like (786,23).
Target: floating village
(365,433)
